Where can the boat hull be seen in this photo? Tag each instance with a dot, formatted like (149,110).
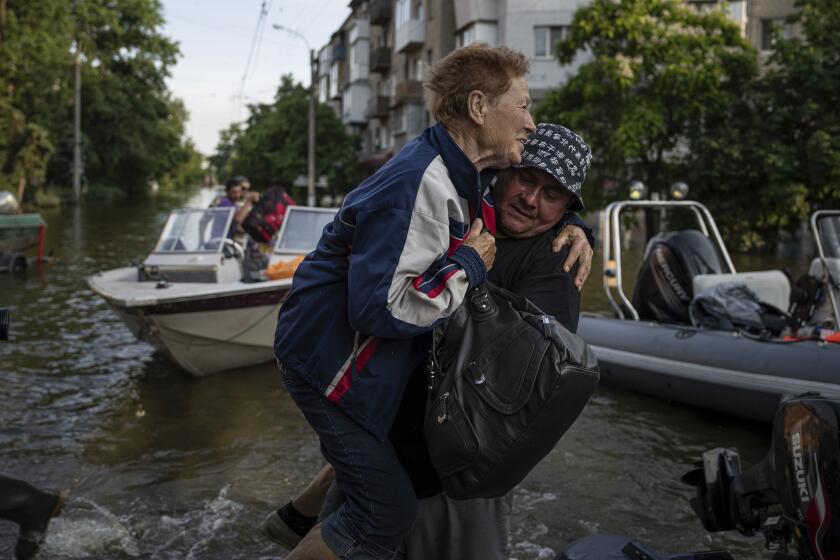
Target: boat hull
(203,330)
(711,369)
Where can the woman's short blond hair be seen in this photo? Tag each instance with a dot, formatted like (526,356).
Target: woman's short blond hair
(477,66)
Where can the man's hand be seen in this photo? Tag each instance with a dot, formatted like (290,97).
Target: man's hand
(483,243)
(580,251)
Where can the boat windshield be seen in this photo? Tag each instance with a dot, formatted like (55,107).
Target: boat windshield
(302,229)
(829,228)
(195,231)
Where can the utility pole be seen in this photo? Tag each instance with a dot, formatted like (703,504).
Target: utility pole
(77,116)
(77,124)
(310,187)
(313,65)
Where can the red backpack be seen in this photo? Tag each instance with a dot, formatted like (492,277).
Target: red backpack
(266,217)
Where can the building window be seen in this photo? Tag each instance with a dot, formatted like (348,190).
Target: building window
(402,12)
(768,27)
(465,37)
(417,67)
(546,39)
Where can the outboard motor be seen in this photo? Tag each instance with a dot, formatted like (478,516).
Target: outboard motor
(792,497)
(663,286)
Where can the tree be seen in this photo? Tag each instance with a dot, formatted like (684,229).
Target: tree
(30,97)
(221,160)
(132,129)
(271,147)
(801,96)
(188,170)
(662,76)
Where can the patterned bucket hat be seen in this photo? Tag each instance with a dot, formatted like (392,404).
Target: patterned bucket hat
(562,154)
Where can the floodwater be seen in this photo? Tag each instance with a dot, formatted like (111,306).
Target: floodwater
(161,465)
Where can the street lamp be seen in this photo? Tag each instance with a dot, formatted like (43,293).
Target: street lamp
(313,64)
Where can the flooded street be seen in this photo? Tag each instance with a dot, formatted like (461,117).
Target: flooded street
(161,465)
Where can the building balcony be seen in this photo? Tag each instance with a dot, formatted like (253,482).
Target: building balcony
(380,11)
(380,60)
(377,107)
(354,103)
(410,36)
(339,53)
(359,30)
(337,80)
(409,91)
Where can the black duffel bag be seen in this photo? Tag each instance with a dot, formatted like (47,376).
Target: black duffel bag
(506,381)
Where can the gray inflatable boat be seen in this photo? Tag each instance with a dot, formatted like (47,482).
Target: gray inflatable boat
(650,346)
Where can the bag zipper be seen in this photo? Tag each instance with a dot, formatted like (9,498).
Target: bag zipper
(441,417)
(546,326)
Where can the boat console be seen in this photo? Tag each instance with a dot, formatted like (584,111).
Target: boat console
(194,247)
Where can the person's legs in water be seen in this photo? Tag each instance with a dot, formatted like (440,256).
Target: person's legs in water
(30,508)
(289,524)
(380,506)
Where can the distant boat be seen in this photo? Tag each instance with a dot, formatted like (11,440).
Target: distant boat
(18,233)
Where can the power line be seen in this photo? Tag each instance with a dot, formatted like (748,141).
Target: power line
(260,24)
(317,13)
(260,40)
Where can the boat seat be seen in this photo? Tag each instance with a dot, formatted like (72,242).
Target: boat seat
(824,314)
(771,286)
(817,271)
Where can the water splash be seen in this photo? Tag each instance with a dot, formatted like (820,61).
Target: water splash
(87,529)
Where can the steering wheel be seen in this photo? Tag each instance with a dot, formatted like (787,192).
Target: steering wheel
(233,249)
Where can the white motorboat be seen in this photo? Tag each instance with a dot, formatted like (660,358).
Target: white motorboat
(188,298)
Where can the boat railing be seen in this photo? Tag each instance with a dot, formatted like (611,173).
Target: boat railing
(833,283)
(611,234)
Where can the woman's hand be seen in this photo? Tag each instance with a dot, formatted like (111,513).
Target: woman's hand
(580,250)
(483,243)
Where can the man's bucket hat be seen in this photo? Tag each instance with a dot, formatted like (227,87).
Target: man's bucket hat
(562,154)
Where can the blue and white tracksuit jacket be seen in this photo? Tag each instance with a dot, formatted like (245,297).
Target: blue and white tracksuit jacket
(386,271)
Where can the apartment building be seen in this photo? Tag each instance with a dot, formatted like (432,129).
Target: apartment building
(371,71)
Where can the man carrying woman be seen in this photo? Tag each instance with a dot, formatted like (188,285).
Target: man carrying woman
(398,259)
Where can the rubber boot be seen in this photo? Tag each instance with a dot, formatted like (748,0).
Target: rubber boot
(30,508)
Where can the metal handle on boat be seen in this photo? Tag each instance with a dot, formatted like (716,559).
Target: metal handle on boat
(832,282)
(612,244)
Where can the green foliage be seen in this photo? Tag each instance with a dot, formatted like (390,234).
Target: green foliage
(47,198)
(675,94)
(663,77)
(801,96)
(271,147)
(132,129)
(188,170)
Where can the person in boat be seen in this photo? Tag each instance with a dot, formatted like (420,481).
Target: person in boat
(32,509)
(531,201)
(238,195)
